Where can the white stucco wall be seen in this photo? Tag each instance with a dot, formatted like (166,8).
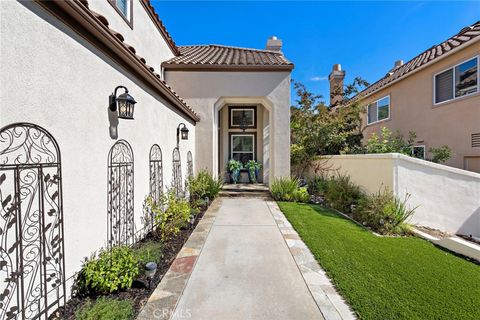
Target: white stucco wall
(55,79)
(144,36)
(448,198)
(209,90)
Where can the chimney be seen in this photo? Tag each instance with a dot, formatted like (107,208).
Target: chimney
(336,84)
(398,64)
(274,44)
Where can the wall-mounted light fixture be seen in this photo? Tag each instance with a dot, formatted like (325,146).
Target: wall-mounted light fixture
(124,103)
(182,131)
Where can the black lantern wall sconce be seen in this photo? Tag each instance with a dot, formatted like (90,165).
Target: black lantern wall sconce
(182,131)
(124,103)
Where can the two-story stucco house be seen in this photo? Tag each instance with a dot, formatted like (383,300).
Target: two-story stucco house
(436,94)
(100,108)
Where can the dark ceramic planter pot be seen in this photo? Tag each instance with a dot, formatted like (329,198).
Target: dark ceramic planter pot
(234,176)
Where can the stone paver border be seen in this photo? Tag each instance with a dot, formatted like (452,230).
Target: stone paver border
(162,302)
(328,300)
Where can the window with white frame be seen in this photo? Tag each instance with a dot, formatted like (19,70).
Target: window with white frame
(242,147)
(456,82)
(418,152)
(124,8)
(378,110)
(242,116)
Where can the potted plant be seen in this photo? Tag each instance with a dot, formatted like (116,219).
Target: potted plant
(253,168)
(234,168)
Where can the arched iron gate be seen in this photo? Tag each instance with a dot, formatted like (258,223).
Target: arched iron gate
(120,217)
(177,173)
(32,264)
(156,173)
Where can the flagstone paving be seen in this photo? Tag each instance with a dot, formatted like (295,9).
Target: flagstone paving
(245,261)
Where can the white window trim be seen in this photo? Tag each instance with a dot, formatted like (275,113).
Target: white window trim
(453,87)
(424,151)
(243,109)
(376,101)
(242,135)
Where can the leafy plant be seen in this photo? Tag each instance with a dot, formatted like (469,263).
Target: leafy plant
(234,165)
(389,142)
(341,193)
(112,270)
(106,309)
(288,189)
(384,213)
(252,166)
(204,185)
(440,154)
(318,185)
(148,251)
(175,216)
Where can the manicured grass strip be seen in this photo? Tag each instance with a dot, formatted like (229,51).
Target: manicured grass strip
(388,278)
(106,309)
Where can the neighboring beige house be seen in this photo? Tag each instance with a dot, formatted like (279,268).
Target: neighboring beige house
(75,167)
(436,94)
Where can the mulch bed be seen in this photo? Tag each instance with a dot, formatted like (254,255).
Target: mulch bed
(139,293)
(434,232)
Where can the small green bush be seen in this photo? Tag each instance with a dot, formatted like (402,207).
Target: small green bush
(441,154)
(341,194)
(384,213)
(318,185)
(175,216)
(288,189)
(106,309)
(112,270)
(204,185)
(148,251)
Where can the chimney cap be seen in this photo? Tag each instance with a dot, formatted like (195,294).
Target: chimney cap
(274,44)
(337,67)
(398,63)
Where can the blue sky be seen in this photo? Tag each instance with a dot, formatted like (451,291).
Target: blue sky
(364,37)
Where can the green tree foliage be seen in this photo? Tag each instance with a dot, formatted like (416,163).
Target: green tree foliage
(319,130)
(389,142)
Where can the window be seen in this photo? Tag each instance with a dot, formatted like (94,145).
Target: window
(378,110)
(242,147)
(124,8)
(239,115)
(418,152)
(456,82)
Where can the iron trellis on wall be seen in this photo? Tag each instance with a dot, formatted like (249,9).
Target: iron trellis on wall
(120,217)
(156,183)
(32,265)
(189,164)
(177,173)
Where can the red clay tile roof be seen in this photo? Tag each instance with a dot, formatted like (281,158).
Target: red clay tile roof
(175,98)
(226,57)
(462,38)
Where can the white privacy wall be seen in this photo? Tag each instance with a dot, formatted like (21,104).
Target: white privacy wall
(448,198)
(53,78)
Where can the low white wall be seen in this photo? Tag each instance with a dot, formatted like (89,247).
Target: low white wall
(448,198)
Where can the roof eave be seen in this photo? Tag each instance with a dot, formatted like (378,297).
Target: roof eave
(358,97)
(85,18)
(210,67)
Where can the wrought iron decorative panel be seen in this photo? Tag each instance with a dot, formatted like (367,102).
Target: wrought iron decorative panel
(156,183)
(120,217)
(32,265)
(177,173)
(189,164)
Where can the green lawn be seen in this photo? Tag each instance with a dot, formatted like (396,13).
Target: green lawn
(388,278)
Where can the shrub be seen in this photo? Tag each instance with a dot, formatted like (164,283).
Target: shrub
(106,309)
(288,189)
(341,194)
(384,213)
(204,185)
(148,251)
(175,216)
(441,154)
(318,185)
(114,269)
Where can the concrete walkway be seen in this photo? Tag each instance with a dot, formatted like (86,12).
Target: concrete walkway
(245,261)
